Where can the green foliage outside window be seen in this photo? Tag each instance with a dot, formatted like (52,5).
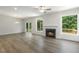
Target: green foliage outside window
(69,24)
(39,25)
(28,27)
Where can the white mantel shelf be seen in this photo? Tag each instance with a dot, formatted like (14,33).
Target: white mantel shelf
(49,26)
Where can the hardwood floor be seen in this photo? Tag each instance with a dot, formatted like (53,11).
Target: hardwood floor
(20,43)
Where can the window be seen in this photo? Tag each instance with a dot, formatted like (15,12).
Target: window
(69,24)
(28,27)
(39,25)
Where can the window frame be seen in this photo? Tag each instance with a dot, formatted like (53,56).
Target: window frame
(39,19)
(62,24)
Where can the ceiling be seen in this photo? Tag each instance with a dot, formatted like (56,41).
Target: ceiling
(28,11)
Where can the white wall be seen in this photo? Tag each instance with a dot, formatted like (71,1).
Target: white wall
(8,25)
(54,19)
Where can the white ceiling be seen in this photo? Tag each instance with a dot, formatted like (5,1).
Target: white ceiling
(27,11)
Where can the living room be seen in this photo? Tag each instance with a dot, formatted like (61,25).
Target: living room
(54,20)
(39,29)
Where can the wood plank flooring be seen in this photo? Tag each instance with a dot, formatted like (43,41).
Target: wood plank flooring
(21,43)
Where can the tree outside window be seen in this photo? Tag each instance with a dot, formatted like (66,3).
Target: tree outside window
(39,25)
(69,24)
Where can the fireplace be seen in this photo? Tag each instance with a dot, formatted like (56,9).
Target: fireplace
(51,33)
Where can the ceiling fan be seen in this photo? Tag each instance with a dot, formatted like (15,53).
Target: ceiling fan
(44,9)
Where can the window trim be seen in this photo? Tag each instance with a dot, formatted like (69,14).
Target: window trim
(62,25)
(39,19)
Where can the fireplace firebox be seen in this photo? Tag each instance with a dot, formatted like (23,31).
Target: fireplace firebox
(51,33)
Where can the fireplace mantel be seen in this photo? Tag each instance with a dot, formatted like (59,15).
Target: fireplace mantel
(49,26)
(52,27)
(50,33)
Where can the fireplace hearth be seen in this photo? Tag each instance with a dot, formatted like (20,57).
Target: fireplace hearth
(51,33)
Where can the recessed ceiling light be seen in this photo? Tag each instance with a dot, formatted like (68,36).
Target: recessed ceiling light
(15,8)
(17,22)
(42,10)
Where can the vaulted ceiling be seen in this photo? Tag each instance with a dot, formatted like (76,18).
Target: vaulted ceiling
(28,11)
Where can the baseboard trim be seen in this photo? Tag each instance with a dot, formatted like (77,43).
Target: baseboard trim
(12,33)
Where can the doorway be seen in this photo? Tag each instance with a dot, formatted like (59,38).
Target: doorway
(28,27)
